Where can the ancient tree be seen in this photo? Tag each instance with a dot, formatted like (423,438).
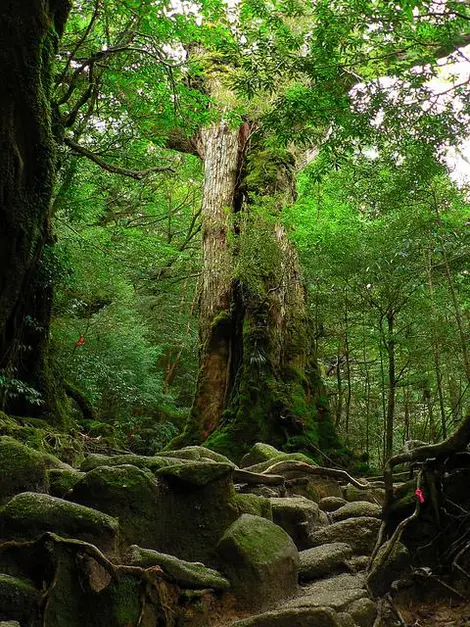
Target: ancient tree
(29,32)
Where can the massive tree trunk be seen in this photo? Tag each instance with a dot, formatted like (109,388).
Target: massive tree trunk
(29,33)
(258,377)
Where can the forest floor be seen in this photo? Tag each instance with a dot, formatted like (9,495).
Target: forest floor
(436,614)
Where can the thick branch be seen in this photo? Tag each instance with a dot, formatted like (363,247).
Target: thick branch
(138,175)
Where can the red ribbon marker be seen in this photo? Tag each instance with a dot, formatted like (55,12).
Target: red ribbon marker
(419,494)
(80,341)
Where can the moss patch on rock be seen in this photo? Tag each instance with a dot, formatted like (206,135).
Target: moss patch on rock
(19,600)
(124,492)
(29,515)
(186,574)
(260,560)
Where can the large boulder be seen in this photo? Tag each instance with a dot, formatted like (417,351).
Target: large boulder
(293,617)
(324,560)
(153,463)
(359,533)
(196,504)
(23,469)
(336,592)
(356,509)
(331,503)
(260,452)
(29,515)
(125,492)
(196,453)
(186,574)
(298,516)
(260,560)
(372,495)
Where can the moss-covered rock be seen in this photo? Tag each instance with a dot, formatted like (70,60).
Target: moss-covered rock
(19,600)
(356,509)
(260,452)
(280,457)
(196,473)
(324,560)
(260,560)
(374,495)
(125,492)
(21,469)
(359,533)
(255,505)
(186,574)
(297,516)
(153,463)
(196,453)
(293,617)
(331,503)
(62,480)
(29,515)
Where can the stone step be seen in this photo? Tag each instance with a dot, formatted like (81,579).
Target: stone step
(324,560)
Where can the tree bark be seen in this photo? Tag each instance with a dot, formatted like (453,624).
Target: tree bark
(258,377)
(29,33)
(220,151)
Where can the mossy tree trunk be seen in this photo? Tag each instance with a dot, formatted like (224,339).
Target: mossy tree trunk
(258,377)
(29,32)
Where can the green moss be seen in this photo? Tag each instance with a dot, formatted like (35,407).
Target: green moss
(21,469)
(29,515)
(254,505)
(124,492)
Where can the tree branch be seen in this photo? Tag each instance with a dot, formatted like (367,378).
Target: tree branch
(138,175)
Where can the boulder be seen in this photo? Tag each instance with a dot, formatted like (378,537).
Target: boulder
(331,503)
(19,600)
(125,492)
(293,617)
(373,495)
(21,469)
(281,457)
(196,504)
(323,560)
(9,623)
(196,453)
(153,463)
(336,592)
(255,505)
(195,473)
(364,612)
(297,516)
(29,515)
(356,509)
(359,533)
(62,480)
(384,571)
(259,452)
(346,620)
(260,560)
(185,574)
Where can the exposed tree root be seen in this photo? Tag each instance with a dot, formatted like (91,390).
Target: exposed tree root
(335,473)
(455,443)
(151,578)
